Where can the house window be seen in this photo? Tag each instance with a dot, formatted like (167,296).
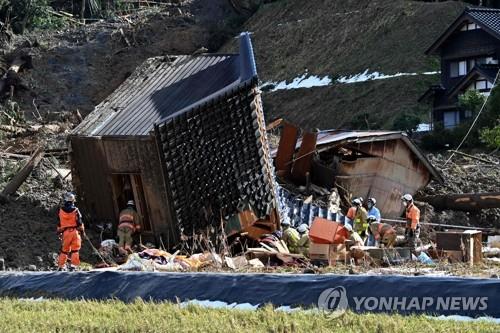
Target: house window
(458,68)
(491,60)
(481,85)
(468,114)
(486,60)
(451,119)
(469,26)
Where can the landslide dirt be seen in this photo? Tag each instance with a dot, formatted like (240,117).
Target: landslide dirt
(466,175)
(344,38)
(78,67)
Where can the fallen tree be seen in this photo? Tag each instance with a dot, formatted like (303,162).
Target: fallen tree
(464,202)
(25,171)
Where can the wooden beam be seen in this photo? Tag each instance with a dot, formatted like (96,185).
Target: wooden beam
(25,171)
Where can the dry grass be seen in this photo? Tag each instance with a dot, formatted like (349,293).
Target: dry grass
(139,316)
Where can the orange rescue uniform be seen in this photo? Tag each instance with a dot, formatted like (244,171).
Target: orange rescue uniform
(412,217)
(70,227)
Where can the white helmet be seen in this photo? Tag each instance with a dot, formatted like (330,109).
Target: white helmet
(130,203)
(373,201)
(407,197)
(356,202)
(285,223)
(69,197)
(348,227)
(302,228)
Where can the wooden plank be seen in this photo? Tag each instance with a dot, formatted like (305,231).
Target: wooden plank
(286,149)
(303,161)
(25,171)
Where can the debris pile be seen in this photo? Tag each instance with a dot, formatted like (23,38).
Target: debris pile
(475,173)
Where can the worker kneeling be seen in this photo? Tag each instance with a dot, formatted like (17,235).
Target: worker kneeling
(291,237)
(69,229)
(128,225)
(384,234)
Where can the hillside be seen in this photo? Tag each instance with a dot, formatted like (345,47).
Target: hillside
(342,39)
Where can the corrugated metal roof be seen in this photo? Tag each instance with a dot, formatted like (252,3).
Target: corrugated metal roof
(337,137)
(163,86)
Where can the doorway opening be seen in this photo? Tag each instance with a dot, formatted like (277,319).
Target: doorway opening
(129,187)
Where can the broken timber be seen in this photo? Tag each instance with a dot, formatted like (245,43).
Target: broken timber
(464,202)
(25,171)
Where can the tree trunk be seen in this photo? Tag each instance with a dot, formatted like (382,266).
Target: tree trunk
(464,202)
(25,171)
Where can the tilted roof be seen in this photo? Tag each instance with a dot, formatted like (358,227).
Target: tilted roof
(164,86)
(330,138)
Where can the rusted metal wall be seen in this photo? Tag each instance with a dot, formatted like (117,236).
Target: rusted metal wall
(396,171)
(286,149)
(304,157)
(95,160)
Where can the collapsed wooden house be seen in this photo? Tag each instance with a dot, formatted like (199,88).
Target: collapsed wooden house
(380,164)
(183,136)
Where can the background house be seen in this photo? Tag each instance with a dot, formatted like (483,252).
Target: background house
(469,50)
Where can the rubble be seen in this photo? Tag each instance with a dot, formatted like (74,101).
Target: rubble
(465,175)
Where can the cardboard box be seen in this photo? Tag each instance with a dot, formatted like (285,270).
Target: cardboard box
(324,231)
(329,253)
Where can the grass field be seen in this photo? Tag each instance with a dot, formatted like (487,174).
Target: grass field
(139,316)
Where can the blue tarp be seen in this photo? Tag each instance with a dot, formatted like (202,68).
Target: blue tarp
(403,294)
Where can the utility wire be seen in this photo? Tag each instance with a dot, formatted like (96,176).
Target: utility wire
(474,122)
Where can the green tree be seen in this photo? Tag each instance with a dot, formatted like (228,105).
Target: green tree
(406,121)
(491,136)
(471,100)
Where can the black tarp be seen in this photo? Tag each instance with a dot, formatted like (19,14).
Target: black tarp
(448,295)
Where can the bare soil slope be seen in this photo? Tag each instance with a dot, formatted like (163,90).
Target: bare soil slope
(344,38)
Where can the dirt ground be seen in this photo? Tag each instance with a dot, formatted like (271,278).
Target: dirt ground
(78,67)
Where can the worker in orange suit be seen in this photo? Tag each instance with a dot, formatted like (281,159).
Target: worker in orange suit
(128,225)
(412,214)
(70,228)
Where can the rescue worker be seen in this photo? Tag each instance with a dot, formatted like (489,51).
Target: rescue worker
(383,233)
(370,240)
(291,237)
(372,210)
(303,245)
(412,214)
(70,228)
(128,225)
(357,214)
(354,236)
